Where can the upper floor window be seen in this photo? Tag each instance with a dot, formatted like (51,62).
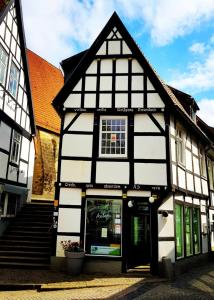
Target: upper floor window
(210,174)
(13,80)
(16,146)
(3,64)
(202,163)
(113,136)
(180,146)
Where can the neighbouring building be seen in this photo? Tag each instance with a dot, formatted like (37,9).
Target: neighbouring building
(46,81)
(132,182)
(17,126)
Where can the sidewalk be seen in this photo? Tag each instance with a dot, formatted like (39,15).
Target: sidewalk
(50,285)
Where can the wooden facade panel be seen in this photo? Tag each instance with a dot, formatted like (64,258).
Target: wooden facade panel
(204,187)
(149,147)
(25,149)
(121,100)
(181,178)
(69,116)
(92,69)
(84,122)
(143,123)
(75,171)
(154,100)
(73,100)
(166,226)
(23,172)
(70,196)
(189,158)
(3,164)
(167,249)
(69,220)
(75,145)
(197,185)
(5,133)
(190,182)
(112,172)
(150,174)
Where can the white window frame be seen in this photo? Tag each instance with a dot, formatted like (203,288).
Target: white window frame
(112,155)
(16,142)
(202,160)
(180,146)
(3,65)
(13,80)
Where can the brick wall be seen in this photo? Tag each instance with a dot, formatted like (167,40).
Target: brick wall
(45,169)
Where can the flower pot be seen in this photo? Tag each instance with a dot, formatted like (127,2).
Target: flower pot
(74,262)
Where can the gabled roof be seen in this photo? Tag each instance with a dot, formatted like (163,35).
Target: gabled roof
(4,7)
(167,94)
(46,81)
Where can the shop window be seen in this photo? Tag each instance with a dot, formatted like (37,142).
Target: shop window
(16,146)
(3,64)
(179,231)
(180,146)
(8,205)
(202,163)
(188,230)
(196,229)
(103,227)
(13,80)
(113,136)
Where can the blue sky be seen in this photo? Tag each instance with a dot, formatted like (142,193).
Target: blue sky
(177,37)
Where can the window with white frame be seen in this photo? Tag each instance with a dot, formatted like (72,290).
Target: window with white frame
(13,80)
(113,136)
(180,146)
(202,162)
(210,174)
(3,64)
(16,146)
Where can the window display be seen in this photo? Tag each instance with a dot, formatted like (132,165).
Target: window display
(103,227)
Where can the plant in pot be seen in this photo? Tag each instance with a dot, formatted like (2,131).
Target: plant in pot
(74,256)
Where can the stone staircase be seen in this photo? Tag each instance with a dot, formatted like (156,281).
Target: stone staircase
(27,241)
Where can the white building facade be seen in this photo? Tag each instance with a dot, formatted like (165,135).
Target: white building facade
(132,184)
(16,115)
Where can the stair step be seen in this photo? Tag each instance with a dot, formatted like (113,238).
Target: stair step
(36,248)
(25,237)
(27,233)
(24,259)
(32,228)
(25,242)
(22,265)
(24,253)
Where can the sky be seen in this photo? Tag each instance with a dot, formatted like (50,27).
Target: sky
(177,37)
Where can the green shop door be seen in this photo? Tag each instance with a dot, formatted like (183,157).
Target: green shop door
(139,234)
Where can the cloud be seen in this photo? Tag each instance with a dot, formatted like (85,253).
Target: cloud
(198,77)
(56,29)
(206,112)
(197,48)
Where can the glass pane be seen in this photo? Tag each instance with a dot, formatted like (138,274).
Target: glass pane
(196,229)
(103,227)
(188,230)
(179,230)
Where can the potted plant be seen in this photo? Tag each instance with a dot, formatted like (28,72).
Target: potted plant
(74,256)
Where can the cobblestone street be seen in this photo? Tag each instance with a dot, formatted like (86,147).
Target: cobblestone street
(50,285)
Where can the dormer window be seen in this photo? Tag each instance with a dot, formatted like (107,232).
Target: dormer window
(180,146)
(113,136)
(193,114)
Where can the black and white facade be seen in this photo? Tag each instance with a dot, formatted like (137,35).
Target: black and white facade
(132,184)
(16,115)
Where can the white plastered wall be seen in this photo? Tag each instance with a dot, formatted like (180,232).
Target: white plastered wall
(112,172)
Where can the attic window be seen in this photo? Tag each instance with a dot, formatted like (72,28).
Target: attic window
(192,114)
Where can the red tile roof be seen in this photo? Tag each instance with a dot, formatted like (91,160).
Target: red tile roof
(46,81)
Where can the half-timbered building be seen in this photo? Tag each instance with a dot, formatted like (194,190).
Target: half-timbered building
(132,182)
(16,114)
